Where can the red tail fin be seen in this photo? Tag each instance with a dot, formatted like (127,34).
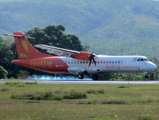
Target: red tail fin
(24,48)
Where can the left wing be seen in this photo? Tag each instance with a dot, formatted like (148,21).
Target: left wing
(64,52)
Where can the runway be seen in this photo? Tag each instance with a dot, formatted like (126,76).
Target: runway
(83,82)
(99,82)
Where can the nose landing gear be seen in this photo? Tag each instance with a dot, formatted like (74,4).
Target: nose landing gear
(95,77)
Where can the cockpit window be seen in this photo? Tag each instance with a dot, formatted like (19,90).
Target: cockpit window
(145,59)
(142,59)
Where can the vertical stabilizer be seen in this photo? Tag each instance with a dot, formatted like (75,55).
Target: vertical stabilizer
(24,48)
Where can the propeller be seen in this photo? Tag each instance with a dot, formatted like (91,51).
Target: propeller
(91,57)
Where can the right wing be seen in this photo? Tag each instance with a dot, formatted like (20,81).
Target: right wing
(56,50)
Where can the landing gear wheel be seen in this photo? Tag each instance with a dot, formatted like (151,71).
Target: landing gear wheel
(146,76)
(95,77)
(80,76)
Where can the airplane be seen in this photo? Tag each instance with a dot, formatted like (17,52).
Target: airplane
(76,62)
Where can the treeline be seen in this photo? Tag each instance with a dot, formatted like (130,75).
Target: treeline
(54,36)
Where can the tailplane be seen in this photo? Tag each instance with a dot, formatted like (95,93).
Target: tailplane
(24,48)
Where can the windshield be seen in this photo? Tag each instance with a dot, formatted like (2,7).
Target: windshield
(142,59)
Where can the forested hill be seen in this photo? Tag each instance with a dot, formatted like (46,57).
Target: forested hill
(112,26)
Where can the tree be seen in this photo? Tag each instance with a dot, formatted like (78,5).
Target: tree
(54,36)
(6,54)
(3,73)
(50,35)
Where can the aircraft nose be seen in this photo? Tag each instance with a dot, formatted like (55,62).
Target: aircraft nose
(153,66)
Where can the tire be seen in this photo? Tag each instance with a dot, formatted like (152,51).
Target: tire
(95,77)
(80,76)
(146,76)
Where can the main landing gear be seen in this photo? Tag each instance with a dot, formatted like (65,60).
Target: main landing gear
(80,76)
(94,77)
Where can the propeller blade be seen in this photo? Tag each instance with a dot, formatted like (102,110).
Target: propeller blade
(92,58)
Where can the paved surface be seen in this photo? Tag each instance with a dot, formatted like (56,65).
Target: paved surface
(83,82)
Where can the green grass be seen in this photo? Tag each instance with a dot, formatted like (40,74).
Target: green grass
(102,102)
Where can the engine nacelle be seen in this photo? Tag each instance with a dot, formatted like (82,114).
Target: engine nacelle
(81,56)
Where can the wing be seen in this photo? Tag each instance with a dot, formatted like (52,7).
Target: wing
(56,50)
(64,52)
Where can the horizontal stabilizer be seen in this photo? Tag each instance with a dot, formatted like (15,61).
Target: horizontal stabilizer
(18,36)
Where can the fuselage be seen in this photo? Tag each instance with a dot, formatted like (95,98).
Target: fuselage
(103,64)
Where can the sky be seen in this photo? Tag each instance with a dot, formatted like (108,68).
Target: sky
(10,0)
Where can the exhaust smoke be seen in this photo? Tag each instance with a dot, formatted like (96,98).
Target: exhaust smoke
(44,77)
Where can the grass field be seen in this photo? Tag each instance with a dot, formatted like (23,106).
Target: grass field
(100,102)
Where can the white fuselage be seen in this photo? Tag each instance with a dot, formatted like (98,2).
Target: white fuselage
(110,64)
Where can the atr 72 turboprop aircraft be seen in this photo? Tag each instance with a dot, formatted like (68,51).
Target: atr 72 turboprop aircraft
(75,62)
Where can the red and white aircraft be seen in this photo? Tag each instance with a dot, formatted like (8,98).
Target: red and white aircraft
(75,62)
